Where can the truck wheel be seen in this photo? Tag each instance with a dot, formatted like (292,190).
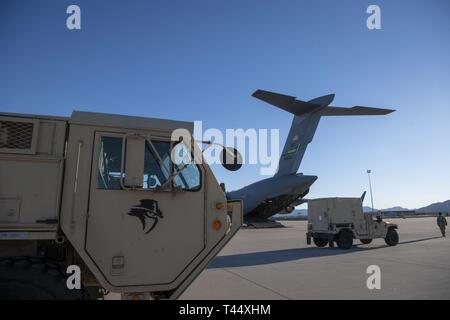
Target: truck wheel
(365,241)
(320,242)
(344,239)
(26,278)
(391,237)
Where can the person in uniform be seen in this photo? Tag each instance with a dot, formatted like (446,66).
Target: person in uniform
(442,223)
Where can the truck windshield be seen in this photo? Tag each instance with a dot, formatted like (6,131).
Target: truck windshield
(155,175)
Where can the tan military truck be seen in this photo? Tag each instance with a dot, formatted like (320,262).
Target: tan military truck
(101,193)
(341,220)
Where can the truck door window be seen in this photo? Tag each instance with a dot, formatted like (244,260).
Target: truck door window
(189,177)
(109,163)
(155,175)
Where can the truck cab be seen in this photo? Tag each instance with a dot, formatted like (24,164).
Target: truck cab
(127,199)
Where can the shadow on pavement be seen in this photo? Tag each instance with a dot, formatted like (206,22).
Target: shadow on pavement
(277,256)
(419,240)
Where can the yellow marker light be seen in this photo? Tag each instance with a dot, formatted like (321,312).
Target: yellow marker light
(216,224)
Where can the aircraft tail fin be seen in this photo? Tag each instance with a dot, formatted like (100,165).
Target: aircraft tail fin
(300,135)
(363,196)
(306,119)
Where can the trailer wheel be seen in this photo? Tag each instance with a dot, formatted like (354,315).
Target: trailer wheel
(365,241)
(26,278)
(391,237)
(320,242)
(344,239)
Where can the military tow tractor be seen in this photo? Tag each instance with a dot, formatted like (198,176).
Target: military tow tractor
(341,220)
(101,194)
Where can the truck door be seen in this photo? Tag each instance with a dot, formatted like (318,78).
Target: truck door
(127,230)
(360,222)
(369,224)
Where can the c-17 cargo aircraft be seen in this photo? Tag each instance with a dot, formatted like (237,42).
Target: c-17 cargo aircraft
(287,188)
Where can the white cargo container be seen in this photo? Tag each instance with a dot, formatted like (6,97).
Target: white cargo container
(341,220)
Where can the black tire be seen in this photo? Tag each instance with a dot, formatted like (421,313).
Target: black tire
(365,241)
(320,242)
(392,237)
(344,239)
(26,278)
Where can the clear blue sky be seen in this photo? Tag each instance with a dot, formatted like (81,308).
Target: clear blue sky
(201,60)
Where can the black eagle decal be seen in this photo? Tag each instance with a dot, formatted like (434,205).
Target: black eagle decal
(147,209)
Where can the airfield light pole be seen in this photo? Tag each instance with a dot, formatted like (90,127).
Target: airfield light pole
(370,186)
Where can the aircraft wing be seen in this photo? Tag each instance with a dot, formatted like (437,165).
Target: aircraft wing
(355,111)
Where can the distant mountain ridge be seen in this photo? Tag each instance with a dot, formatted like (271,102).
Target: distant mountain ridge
(432,208)
(436,207)
(397,208)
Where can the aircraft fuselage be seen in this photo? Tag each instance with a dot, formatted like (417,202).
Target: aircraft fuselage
(272,195)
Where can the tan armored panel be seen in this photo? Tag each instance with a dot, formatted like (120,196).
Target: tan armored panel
(31,163)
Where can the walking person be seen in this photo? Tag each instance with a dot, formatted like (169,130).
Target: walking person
(442,223)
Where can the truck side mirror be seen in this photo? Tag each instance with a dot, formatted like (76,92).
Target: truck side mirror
(231,159)
(134,154)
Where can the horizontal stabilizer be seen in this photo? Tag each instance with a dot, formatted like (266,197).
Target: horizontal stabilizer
(355,111)
(286,103)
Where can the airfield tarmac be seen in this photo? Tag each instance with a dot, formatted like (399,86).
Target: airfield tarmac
(278,264)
